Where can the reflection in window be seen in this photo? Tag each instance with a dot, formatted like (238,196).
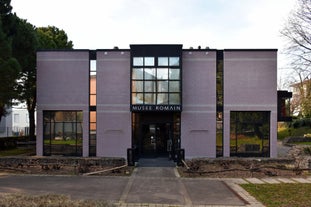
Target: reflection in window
(174,86)
(163,61)
(150,86)
(174,74)
(162,86)
(137,86)
(174,98)
(162,73)
(62,133)
(162,98)
(138,73)
(154,83)
(250,133)
(174,61)
(138,61)
(150,98)
(150,73)
(149,61)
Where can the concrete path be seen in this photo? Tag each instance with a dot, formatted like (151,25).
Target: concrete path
(147,186)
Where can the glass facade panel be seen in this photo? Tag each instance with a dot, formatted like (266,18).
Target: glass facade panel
(163,61)
(174,61)
(138,74)
(154,82)
(162,86)
(137,86)
(149,61)
(62,133)
(150,73)
(174,74)
(150,98)
(174,98)
(174,86)
(150,86)
(137,98)
(162,98)
(138,61)
(162,73)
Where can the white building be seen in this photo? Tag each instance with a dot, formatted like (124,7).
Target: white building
(16,123)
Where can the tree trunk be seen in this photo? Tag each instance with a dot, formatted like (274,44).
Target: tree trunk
(31,105)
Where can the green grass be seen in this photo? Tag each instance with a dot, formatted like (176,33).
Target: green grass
(16,151)
(281,195)
(284,132)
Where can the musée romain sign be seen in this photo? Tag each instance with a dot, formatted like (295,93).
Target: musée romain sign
(156,108)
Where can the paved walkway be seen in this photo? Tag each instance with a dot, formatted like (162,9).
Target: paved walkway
(147,186)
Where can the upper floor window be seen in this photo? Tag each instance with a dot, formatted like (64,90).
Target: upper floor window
(156,81)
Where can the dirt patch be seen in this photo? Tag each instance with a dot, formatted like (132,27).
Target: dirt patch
(242,168)
(64,166)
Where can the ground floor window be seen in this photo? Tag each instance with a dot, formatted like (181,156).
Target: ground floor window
(249,133)
(62,133)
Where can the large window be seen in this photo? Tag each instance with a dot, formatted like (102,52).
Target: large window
(156,81)
(62,133)
(249,133)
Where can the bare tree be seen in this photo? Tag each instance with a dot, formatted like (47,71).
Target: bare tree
(297,32)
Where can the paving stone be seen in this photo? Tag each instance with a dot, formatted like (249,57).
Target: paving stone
(302,180)
(286,180)
(254,181)
(270,180)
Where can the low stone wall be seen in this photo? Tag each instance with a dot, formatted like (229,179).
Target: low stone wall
(69,161)
(290,140)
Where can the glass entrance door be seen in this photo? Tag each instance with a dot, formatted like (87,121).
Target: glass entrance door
(155,134)
(156,139)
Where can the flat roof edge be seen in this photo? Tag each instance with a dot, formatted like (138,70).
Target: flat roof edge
(251,49)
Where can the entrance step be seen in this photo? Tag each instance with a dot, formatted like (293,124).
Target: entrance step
(156,162)
(156,168)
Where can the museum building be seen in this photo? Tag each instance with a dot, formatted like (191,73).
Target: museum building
(156,100)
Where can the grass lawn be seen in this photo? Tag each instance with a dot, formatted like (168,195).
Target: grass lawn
(284,132)
(281,195)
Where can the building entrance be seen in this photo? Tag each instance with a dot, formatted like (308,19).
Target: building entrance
(156,134)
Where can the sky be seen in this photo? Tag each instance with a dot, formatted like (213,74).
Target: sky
(217,24)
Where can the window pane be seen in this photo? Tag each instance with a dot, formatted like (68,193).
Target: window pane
(138,73)
(79,116)
(138,86)
(138,61)
(162,86)
(150,73)
(92,126)
(93,100)
(163,61)
(93,116)
(92,65)
(137,98)
(162,73)
(174,74)
(150,98)
(150,86)
(174,98)
(70,116)
(149,61)
(174,86)
(174,61)
(93,85)
(162,98)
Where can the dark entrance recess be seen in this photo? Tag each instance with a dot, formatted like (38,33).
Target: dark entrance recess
(155,134)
